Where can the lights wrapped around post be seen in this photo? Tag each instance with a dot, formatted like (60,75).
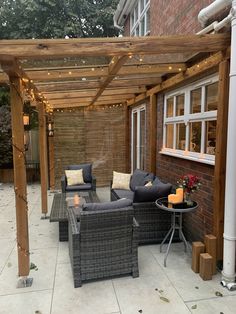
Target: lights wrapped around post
(50,129)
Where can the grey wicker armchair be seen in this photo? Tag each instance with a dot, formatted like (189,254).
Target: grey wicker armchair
(103,244)
(89,179)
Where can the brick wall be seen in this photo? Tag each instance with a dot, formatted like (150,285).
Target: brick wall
(169,17)
(90,136)
(169,169)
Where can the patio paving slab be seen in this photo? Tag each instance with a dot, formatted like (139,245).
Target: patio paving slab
(94,297)
(26,303)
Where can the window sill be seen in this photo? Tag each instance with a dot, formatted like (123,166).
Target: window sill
(205,159)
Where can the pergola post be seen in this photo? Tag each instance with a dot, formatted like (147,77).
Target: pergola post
(220,156)
(19,176)
(43,158)
(153,132)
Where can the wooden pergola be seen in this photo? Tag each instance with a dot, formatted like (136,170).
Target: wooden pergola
(69,73)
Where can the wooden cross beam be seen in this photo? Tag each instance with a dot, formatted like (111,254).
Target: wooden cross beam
(77,85)
(54,48)
(114,66)
(102,71)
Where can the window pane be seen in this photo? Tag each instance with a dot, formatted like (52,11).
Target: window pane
(195,129)
(179,105)
(148,20)
(142,27)
(195,101)
(212,97)
(210,144)
(136,13)
(169,135)
(142,139)
(170,107)
(135,125)
(180,136)
(132,19)
(141,5)
(137,31)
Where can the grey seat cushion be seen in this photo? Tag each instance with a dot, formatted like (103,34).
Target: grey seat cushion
(107,205)
(80,187)
(87,171)
(151,193)
(140,178)
(124,194)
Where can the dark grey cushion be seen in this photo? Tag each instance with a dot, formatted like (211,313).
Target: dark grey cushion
(124,194)
(151,193)
(87,171)
(107,205)
(140,178)
(80,187)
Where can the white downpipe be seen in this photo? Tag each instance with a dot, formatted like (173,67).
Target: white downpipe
(212,9)
(228,272)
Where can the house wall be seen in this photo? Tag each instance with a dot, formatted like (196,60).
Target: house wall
(169,17)
(96,136)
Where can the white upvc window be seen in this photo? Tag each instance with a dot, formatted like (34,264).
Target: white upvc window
(190,115)
(140,18)
(138,137)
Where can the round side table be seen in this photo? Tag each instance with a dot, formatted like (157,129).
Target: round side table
(176,221)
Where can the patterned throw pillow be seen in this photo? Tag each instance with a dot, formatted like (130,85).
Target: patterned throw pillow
(121,180)
(74,177)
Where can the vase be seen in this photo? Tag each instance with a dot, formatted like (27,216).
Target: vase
(187,199)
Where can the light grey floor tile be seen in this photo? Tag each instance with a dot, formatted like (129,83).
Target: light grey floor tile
(224,305)
(43,278)
(94,297)
(63,253)
(6,246)
(148,294)
(26,303)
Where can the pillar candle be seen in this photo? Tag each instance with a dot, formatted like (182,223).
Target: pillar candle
(76,200)
(180,191)
(175,198)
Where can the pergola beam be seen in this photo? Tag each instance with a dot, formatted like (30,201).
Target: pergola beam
(46,48)
(91,93)
(114,66)
(192,71)
(101,71)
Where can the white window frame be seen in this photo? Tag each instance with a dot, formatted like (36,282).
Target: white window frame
(138,111)
(203,117)
(136,24)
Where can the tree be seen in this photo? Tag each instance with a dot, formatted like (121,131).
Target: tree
(5,128)
(57,18)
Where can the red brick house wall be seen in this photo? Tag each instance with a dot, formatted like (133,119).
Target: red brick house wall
(169,17)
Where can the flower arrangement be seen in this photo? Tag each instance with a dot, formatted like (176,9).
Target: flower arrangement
(189,183)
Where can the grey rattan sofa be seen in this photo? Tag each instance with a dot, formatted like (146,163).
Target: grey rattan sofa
(154,223)
(89,179)
(104,243)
